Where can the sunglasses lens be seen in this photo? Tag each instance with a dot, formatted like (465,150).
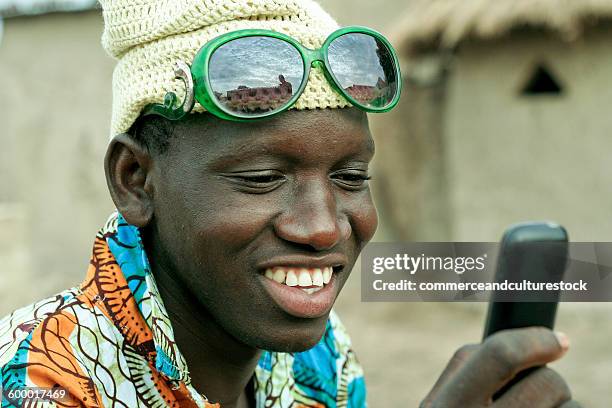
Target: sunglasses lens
(364,67)
(255,76)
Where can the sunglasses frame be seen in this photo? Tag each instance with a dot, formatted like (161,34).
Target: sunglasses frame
(198,87)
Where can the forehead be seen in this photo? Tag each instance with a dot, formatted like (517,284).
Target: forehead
(294,135)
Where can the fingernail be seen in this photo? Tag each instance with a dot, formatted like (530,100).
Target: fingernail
(563,340)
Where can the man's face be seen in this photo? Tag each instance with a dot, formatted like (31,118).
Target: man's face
(285,195)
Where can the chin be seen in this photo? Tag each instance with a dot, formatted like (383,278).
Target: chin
(299,336)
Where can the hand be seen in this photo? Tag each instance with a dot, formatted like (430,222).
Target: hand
(477,372)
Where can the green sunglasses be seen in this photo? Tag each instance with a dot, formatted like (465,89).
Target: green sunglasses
(253,74)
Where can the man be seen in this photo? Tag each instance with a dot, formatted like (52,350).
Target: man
(213,283)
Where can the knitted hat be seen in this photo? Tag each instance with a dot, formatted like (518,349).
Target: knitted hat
(149,36)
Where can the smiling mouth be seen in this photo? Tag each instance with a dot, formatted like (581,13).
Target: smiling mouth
(302,291)
(310,280)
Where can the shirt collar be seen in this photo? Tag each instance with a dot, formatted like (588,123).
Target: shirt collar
(125,243)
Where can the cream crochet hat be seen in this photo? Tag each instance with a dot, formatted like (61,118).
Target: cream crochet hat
(149,36)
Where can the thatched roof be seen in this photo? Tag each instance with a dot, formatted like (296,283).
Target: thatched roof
(445,23)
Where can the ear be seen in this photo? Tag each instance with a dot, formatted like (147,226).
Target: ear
(128,168)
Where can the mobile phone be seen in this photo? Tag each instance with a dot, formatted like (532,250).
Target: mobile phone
(534,251)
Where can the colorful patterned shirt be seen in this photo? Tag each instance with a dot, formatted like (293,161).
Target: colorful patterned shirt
(109,343)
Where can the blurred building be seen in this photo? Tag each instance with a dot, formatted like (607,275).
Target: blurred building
(56,96)
(504,117)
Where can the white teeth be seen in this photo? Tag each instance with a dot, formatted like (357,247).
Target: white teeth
(300,276)
(317,277)
(327,274)
(279,276)
(291,278)
(304,278)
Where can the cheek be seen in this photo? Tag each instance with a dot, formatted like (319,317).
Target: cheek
(216,231)
(224,233)
(233,224)
(363,218)
(212,215)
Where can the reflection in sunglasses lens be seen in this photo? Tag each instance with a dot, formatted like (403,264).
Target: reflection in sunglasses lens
(364,68)
(254,76)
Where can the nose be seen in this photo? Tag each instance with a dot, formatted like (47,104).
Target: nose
(311,218)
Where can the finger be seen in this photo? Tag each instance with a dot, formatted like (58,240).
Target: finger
(501,357)
(460,357)
(544,388)
(511,351)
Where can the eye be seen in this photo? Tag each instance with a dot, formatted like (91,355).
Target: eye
(259,181)
(351,179)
